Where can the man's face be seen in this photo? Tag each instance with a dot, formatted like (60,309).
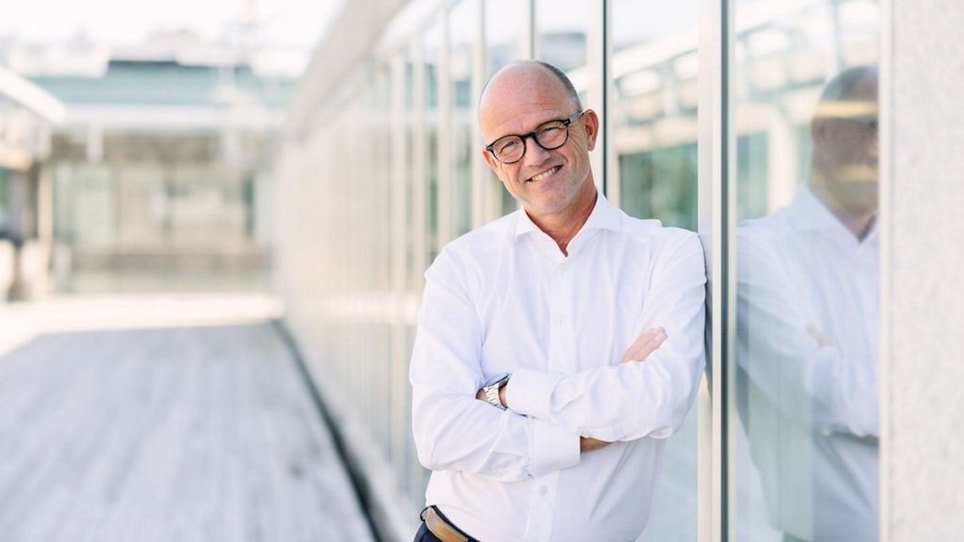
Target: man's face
(846,149)
(545,182)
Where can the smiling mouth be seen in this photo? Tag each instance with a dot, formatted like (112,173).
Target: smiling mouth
(545,175)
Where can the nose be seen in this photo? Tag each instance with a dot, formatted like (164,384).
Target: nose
(873,147)
(535,153)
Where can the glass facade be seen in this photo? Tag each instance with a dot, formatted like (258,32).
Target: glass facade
(804,382)
(709,122)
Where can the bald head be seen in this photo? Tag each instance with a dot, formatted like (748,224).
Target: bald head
(527,75)
(850,93)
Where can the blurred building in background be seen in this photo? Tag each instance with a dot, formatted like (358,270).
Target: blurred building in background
(27,116)
(158,169)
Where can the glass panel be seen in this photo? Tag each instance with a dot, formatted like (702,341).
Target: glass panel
(654,109)
(505,32)
(464,141)
(805,425)
(562,27)
(653,115)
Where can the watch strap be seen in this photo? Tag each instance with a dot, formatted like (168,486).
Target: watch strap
(492,391)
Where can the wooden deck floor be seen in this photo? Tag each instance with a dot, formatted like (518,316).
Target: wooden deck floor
(166,434)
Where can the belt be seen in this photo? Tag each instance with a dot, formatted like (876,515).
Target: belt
(440,526)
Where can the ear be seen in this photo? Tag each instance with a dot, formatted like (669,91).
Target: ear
(818,130)
(591,123)
(489,159)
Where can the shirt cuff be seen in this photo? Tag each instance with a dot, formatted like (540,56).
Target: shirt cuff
(529,393)
(553,448)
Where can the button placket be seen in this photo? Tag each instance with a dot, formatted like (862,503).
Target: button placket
(560,319)
(541,509)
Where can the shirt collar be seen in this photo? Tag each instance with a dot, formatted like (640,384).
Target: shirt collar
(809,213)
(603,217)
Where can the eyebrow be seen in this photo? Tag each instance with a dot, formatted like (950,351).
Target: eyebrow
(571,118)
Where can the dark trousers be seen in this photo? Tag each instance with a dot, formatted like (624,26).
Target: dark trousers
(432,513)
(425,535)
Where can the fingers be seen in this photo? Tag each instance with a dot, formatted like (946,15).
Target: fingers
(647,342)
(821,339)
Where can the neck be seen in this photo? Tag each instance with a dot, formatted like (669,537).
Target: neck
(859,225)
(857,221)
(564,226)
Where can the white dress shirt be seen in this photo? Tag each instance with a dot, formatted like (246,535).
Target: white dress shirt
(807,351)
(505,299)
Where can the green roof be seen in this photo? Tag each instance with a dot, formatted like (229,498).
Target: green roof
(166,83)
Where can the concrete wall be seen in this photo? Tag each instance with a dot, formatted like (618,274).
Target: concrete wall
(922,478)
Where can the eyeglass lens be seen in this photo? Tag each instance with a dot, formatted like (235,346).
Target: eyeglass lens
(549,136)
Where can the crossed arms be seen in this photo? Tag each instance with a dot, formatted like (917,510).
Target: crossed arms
(555,415)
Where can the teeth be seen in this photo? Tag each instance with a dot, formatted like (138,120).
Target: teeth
(545,175)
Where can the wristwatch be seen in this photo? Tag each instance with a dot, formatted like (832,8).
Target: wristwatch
(491,390)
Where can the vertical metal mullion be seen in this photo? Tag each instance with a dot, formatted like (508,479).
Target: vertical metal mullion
(598,59)
(886,158)
(480,187)
(529,45)
(715,168)
(728,262)
(401,447)
(398,170)
(419,159)
(446,181)
(608,149)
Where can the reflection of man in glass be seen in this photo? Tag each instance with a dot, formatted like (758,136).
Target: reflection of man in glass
(807,320)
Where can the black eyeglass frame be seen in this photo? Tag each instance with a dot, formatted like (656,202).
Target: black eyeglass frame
(534,135)
(866,122)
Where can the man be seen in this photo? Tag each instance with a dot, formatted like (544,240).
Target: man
(557,347)
(807,328)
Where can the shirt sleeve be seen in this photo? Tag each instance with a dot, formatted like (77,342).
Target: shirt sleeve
(781,359)
(453,430)
(635,399)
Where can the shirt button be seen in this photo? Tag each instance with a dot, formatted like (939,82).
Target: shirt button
(543,490)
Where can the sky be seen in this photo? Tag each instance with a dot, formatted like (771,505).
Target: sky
(285,23)
(291,28)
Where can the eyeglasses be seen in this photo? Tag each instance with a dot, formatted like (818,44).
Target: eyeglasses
(867,125)
(549,135)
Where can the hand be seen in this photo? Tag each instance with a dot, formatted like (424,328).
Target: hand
(647,343)
(821,339)
(587,444)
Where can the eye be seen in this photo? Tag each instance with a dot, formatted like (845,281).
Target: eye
(551,130)
(507,146)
